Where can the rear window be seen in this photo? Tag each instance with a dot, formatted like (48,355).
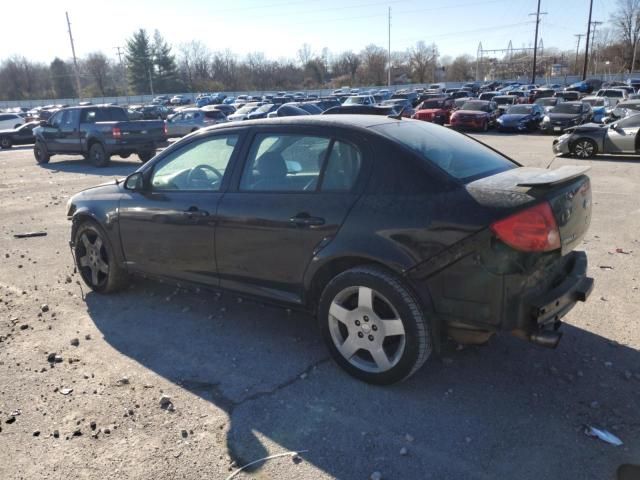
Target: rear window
(458,155)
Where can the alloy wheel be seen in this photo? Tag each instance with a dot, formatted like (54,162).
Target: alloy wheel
(583,149)
(366,329)
(92,258)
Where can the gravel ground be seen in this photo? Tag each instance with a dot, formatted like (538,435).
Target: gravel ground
(242,381)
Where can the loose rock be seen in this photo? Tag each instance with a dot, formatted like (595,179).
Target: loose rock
(75,342)
(44,307)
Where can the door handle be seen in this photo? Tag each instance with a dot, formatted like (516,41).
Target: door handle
(306,220)
(193,212)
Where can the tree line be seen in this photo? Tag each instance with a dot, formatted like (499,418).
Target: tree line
(149,64)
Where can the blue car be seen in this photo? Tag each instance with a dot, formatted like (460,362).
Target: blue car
(583,87)
(601,107)
(521,118)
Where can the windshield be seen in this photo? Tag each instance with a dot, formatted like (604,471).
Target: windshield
(594,102)
(630,105)
(432,104)
(520,110)
(245,110)
(478,106)
(547,102)
(264,108)
(504,100)
(567,108)
(458,155)
(354,101)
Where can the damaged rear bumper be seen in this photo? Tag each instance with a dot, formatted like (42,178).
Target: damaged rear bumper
(475,296)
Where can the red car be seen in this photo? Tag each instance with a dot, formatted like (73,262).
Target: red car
(435,110)
(475,115)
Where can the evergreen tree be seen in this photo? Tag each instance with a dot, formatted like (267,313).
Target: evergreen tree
(165,77)
(139,57)
(62,79)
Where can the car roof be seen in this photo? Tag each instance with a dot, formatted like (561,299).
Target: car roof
(348,121)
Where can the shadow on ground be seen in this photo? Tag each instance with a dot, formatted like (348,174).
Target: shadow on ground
(116,168)
(508,410)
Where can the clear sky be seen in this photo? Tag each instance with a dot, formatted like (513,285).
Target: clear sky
(37,28)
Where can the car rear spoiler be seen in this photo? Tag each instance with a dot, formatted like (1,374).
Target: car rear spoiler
(553,177)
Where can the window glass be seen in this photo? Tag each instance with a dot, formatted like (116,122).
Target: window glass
(56,120)
(458,155)
(343,166)
(629,122)
(198,166)
(284,163)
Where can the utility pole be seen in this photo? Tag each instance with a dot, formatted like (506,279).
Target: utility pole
(586,48)
(389,51)
(579,35)
(633,61)
(75,60)
(593,47)
(123,68)
(535,42)
(119,50)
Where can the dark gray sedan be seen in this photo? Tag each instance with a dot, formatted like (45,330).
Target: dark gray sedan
(588,140)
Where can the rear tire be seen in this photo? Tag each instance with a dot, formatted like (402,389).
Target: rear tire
(584,148)
(145,156)
(41,153)
(374,326)
(96,261)
(5,142)
(97,156)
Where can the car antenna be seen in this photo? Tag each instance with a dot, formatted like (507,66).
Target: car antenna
(398,116)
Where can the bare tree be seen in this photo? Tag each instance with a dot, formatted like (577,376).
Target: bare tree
(374,62)
(97,66)
(422,59)
(304,54)
(627,20)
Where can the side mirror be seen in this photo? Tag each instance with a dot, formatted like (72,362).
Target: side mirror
(134,182)
(43,123)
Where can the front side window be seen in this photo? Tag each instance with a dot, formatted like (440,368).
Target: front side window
(56,120)
(284,163)
(198,166)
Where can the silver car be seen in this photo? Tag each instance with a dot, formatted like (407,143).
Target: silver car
(587,140)
(192,119)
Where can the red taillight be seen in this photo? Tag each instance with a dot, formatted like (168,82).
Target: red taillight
(531,230)
(116,132)
(166,131)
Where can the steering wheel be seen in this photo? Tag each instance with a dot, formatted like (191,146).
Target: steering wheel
(198,175)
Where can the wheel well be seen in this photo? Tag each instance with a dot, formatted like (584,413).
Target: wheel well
(91,143)
(595,144)
(335,267)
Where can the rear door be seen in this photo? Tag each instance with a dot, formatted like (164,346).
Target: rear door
(622,136)
(293,193)
(168,229)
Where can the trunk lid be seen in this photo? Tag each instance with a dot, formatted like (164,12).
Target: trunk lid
(567,189)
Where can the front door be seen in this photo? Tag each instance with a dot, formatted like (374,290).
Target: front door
(69,132)
(621,136)
(51,132)
(293,195)
(168,228)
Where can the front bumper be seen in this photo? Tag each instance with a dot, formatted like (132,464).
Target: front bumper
(560,145)
(475,124)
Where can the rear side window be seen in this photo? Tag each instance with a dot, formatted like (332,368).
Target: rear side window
(343,166)
(458,155)
(215,114)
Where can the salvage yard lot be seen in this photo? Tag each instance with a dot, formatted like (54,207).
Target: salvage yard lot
(247,380)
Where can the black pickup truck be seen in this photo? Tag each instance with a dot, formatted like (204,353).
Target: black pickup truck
(97,133)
